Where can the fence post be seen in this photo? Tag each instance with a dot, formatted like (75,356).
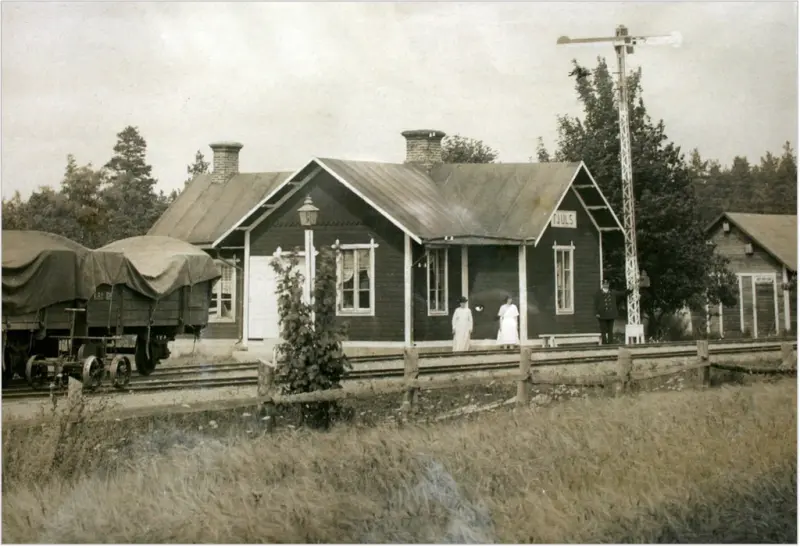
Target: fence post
(266,386)
(624,369)
(524,383)
(411,373)
(787,355)
(703,358)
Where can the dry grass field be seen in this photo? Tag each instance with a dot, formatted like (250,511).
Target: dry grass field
(676,466)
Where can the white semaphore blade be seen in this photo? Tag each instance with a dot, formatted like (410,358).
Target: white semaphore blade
(674,39)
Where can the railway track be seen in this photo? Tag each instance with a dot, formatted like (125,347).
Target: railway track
(241,374)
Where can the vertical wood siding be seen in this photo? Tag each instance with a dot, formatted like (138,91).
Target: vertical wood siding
(345,217)
(542,316)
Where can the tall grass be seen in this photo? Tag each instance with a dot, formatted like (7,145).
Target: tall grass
(698,466)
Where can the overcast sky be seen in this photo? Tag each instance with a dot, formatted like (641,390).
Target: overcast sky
(292,81)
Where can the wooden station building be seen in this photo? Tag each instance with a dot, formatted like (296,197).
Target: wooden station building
(413,238)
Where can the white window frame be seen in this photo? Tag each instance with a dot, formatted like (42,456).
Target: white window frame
(360,311)
(571,250)
(216,294)
(428,255)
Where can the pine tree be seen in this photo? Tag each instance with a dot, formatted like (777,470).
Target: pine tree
(130,196)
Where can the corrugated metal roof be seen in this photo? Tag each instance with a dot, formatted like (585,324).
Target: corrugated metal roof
(509,200)
(204,211)
(408,195)
(472,202)
(512,201)
(775,233)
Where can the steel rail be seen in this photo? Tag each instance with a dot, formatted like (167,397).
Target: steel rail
(214,368)
(149,384)
(603,355)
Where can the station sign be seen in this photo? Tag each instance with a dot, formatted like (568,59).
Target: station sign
(564,219)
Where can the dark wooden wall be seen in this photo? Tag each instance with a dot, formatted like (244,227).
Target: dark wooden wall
(345,217)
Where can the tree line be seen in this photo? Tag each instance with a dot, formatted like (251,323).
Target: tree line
(95,206)
(675,196)
(767,187)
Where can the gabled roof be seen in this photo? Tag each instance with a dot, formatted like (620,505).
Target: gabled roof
(204,211)
(777,234)
(512,201)
(460,202)
(407,194)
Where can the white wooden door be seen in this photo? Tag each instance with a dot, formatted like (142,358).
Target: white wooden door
(262,306)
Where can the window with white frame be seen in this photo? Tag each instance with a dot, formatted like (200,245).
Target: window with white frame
(565,286)
(223,295)
(437,281)
(355,277)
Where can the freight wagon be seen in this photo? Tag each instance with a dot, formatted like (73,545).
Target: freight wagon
(72,311)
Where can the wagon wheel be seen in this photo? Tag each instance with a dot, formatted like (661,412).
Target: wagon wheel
(35,373)
(92,373)
(120,372)
(86,350)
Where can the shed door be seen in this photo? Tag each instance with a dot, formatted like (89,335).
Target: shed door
(263,318)
(765,306)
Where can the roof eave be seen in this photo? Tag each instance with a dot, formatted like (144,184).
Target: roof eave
(258,206)
(491,240)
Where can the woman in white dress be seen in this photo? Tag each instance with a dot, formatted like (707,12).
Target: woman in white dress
(508,334)
(462,326)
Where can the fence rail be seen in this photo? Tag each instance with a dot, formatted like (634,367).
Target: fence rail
(496,350)
(526,376)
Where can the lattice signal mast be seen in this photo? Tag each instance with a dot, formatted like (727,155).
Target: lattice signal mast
(623,45)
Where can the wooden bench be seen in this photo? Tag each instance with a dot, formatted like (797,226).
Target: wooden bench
(553,340)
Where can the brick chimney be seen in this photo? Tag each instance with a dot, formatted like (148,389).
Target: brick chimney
(424,147)
(226,161)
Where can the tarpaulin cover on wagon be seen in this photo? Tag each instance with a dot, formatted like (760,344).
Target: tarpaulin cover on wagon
(158,265)
(41,269)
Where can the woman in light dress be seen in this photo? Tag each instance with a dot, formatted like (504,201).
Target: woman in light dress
(508,334)
(462,326)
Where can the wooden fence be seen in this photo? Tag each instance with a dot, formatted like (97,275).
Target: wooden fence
(622,379)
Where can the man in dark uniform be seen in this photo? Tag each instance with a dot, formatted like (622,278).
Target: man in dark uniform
(605,308)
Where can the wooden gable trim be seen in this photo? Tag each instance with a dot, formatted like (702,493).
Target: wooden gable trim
(298,185)
(603,196)
(583,204)
(258,206)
